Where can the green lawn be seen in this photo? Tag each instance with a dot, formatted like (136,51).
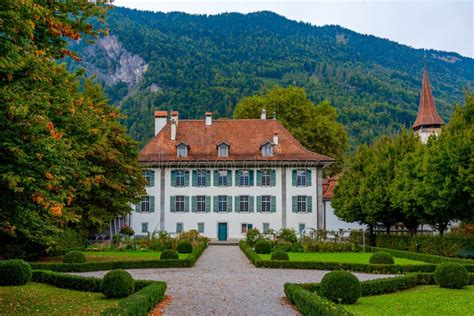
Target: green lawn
(342,257)
(421,300)
(44,299)
(105,256)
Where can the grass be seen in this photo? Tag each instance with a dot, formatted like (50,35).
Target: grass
(342,257)
(421,300)
(44,299)
(107,256)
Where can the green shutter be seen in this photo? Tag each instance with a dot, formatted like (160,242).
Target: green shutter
(229,178)
(186,178)
(186,203)
(237,177)
(229,203)
(251,204)
(208,178)
(309,204)
(273,180)
(195,180)
(208,204)
(293,178)
(308,178)
(251,177)
(259,178)
(151,176)
(193,204)
(274,204)
(138,207)
(216,203)
(173,204)
(152,203)
(237,204)
(259,203)
(294,204)
(216,178)
(173,178)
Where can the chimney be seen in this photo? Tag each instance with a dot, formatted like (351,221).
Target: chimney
(160,120)
(264,115)
(208,118)
(174,116)
(275,138)
(173,130)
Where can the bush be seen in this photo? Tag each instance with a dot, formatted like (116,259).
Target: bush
(451,275)
(184,247)
(288,247)
(169,254)
(118,283)
(288,235)
(74,257)
(280,255)
(253,235)
(14,272)
(424,257)
(381,257)
(263,247)
(321,246)
(69,239)
(341,287)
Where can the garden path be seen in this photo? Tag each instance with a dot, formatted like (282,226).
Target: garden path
(224,282)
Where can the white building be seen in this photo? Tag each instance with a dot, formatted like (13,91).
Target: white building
(225,176)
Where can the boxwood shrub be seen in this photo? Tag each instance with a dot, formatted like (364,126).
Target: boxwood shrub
(451,275)
(280,255)
(340,287)
(381,257)
(184,247)
(14,272)
(117,284)
(74,257)
(263,247)
(169,254)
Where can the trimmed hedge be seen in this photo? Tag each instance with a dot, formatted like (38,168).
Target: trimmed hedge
(169,254)
(322,246)
(263,247)
(280,255)
(340,287)
(74,257)
(451,275)
(381,257)
(184,246)
(117,284)
(14,272)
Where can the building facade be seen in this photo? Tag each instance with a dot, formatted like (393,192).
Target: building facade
(223,177)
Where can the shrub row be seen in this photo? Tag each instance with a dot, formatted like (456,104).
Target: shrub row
(321,246)
(139,264)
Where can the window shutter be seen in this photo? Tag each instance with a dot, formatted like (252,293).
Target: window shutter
(138,207)
(294,206)
(251,204)
(152,178)
(193,204)
(173,178)
(251,177)
(186,203)
(152,203)
(208,204)
(172,204)
(259,178)
(208,178)
(274,204)
(229,203)
(216,178)
(195,180)
(237,204)
(308,178)
(309,204)
(186,178)
(259,203)
(237,177)
(273,180)
(216,203)
(293,178)
(229,178)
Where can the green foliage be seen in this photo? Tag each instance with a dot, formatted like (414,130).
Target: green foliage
(340,287)
(67,281)
(127,231)
(451,275)
(169,254)
(184,247)
(252,236)
(279,255)
(263,247)
(192,236)
(14,272)
(320,246)
(70,239)
(74,257)
(117,284)
(287,235)
(381,257)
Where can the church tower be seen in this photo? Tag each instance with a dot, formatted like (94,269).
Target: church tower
(428,121)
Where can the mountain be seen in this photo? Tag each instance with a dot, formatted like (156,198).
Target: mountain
(199,63)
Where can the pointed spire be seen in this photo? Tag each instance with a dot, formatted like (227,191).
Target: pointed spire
(427,114)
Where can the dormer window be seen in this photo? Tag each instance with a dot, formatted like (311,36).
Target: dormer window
(267,150)
(223,150)
(182,150)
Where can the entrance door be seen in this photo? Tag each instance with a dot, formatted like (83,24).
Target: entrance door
(222,231)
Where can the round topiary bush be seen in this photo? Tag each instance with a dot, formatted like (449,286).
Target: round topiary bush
(341,287)
(451,275)
(118,283)
(184,247)
(74,257)
(263,247)
(381,257)
(280,255)
(169,254)
(14,272)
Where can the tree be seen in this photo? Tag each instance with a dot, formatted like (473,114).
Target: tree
(315,126)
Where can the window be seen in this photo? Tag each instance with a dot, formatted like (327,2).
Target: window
(145,204)
(266,177)
(266,227)
(301,203)
(244,178)
(144,227)
(301,177)
(201,178)
(222,203)
(267,150)
(266,203)
(301,227)
(179,203)
(246,227)
(179,228)
(223,151)
(180,178)
(201,203)
(244,203)
(182,150)
(201,228)
(149,175)
(222,177)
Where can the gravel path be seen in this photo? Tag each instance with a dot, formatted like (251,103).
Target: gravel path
(224,282)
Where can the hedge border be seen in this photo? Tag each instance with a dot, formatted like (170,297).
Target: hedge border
(421,256)
(355,267)
(147,293)
(188,262)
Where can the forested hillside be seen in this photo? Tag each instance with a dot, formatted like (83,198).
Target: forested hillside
(198,63)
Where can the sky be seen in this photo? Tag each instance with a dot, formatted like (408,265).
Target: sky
(434,24)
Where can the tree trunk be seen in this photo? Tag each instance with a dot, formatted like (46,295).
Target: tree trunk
(371,235)
(387,228)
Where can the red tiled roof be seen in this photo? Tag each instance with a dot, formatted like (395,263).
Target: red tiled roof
(161,114)
(328,187)
(427,113)
(244,137)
